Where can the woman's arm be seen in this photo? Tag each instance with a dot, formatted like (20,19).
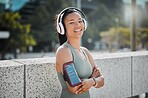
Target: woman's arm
(96,75)
(63,56)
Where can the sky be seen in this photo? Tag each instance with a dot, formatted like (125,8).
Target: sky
(17,4)
(13,5)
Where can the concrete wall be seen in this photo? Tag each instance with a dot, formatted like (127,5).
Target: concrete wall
(126,74)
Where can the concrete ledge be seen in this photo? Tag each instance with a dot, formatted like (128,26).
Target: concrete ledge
(140,74)
(41,78)
(117,74)
(11,79)
(125,75)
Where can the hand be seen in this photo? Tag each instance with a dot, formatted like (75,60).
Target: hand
(87,84)
(75,89)
(96,72)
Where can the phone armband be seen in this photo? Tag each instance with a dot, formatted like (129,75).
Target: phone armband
(70,74)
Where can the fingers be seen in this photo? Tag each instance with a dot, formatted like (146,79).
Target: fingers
(82,88)
(96,72)
(78,89)
(76,92)
(85,86)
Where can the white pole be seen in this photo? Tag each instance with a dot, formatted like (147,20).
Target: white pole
(79,4)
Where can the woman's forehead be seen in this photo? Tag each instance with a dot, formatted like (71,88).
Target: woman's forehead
(73,16)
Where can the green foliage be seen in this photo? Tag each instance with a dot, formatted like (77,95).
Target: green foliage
(20,37)
(144,22)
(42,23)
(142,37)
(100,19)
(120,36)
(108,36)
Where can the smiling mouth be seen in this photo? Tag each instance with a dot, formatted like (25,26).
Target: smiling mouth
(78,30)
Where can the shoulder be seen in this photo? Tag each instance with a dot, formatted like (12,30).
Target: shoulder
(63,55)
(61,50)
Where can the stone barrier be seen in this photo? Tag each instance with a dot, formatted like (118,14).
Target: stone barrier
(126,75)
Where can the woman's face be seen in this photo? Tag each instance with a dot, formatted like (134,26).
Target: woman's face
(74,25)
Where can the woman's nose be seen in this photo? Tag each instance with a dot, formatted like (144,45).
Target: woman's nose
(77,24)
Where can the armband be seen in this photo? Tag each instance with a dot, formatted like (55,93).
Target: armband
(70,74)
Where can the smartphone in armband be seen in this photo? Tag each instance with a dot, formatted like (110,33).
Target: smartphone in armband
(70,74)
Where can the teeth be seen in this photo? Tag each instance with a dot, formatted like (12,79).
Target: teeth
(77,30)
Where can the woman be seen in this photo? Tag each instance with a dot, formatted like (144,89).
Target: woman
(71,24)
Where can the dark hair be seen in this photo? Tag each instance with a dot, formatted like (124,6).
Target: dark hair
(63,38)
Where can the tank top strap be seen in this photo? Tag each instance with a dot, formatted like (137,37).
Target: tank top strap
(69,46)
(84,53)
(71,49)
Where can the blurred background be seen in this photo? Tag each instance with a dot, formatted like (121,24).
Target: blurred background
(27,27)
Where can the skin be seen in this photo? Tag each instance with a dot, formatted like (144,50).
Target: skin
(74,31)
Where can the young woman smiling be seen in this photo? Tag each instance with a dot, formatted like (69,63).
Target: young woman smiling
(71,24)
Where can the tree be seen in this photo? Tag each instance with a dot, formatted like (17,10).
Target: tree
(20,37)
(107,37)
(99,19)
(142,37)
(119,38)
(42,22)
(102,18)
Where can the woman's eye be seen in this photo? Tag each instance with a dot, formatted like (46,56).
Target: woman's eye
(71,23)
(80,21)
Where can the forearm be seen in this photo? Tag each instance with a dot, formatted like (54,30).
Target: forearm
(99,81)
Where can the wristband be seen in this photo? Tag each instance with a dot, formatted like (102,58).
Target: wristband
(95,82)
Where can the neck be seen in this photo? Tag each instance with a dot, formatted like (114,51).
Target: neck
(75,43)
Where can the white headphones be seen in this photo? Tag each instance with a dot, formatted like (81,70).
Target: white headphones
(60,26)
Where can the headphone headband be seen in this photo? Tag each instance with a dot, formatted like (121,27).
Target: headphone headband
(60,27)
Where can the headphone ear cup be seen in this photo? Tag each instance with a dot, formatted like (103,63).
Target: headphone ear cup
(60,28)
(85,24)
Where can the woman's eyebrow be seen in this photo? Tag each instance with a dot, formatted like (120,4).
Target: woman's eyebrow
(80,18)
(73,19)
